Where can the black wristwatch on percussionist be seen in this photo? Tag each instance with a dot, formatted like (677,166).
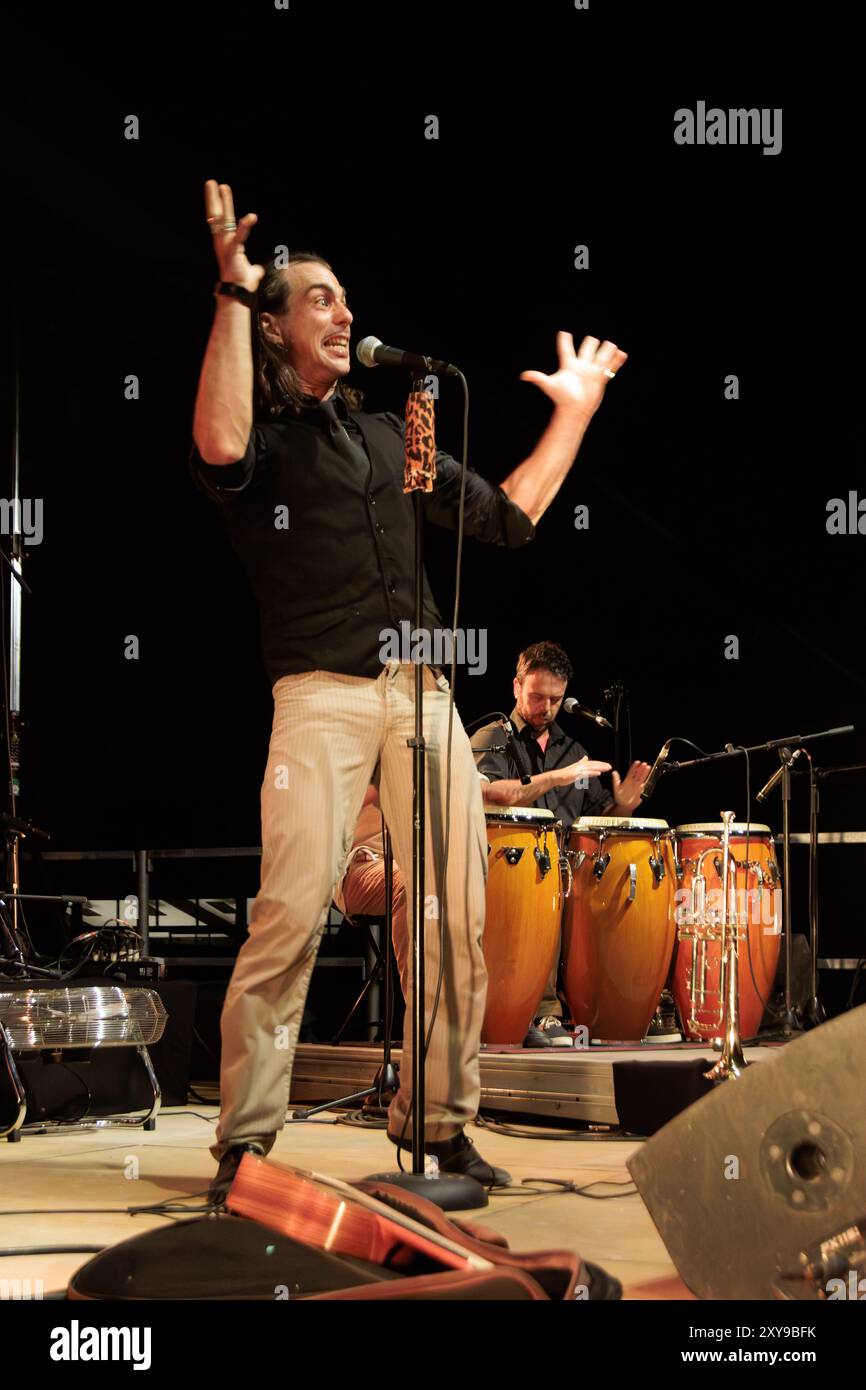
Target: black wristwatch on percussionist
(234,291)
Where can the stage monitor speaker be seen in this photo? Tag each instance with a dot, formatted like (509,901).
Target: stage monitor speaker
(770,1165)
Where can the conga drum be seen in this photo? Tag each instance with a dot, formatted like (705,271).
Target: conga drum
(618,925)
(524,906)
(755,895)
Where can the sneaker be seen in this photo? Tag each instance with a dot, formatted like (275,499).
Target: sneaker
(229,1164)
(459,1155)
(548,1032)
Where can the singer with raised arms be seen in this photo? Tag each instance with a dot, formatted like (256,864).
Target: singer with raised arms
(311,490)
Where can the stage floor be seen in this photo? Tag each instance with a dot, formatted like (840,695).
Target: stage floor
(93,1178)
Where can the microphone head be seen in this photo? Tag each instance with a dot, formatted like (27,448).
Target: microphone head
(573,706)
(365,349)
(655,771)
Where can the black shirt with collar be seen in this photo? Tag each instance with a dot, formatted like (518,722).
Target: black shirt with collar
(523,757)
(317,515)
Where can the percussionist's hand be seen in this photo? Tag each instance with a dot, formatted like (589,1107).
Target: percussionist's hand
(582,378)
(580,772)
(627,790)
(230,247)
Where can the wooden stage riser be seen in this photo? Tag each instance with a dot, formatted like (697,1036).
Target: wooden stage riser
(574,1085)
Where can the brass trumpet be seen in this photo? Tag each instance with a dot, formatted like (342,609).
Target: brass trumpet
(703,928)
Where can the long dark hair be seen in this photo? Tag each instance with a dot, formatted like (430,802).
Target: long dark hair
(276,381)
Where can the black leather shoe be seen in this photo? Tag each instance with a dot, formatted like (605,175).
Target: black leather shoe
(465,1158)
(459,1155)
(229,1164)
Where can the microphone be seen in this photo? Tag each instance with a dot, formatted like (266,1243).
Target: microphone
(656,771)
(572,706)
(506,725)
(495,715)
(788,758)
(372,352)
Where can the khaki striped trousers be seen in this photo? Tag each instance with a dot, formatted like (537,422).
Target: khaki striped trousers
(329,731)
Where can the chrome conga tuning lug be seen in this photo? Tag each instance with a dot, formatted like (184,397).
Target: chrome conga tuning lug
(567,873)
(657,864)
(542,857)
(632,882)
(601,863)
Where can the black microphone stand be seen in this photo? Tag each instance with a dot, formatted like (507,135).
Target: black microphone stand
(616,695)
(449,1191)
(791,1023)
(815,1012)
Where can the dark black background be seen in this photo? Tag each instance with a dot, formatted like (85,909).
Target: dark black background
(707,516)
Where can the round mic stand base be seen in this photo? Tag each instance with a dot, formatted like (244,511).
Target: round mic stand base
(448,1191)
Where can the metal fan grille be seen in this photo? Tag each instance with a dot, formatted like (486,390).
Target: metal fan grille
(92,1016)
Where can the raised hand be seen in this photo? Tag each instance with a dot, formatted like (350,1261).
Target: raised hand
(229,244)
(580,771)
(579,384)
(627,790)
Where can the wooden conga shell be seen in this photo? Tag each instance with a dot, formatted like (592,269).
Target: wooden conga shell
(618,930)
(759,901)
(521,929)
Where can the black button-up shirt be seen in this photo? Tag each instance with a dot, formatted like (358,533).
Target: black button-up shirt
(524,757)
(318,518)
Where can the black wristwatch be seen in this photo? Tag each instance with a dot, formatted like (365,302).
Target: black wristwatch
(525,780)
(228,287)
